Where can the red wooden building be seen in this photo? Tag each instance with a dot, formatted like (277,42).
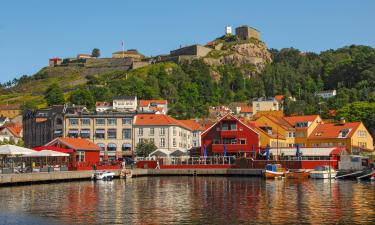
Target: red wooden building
(238,138)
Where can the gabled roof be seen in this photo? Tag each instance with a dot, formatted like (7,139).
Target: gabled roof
(292,120)
(14,129)
(279,121)
(157,119)
(332,130)
(192,124)
(279,98)
(258,126)
(101,104)
(75,143)
(145,103)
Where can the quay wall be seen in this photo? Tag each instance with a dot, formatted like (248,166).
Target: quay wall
(47,176)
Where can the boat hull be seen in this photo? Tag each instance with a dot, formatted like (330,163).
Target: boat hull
(272,174)
(297,175)
(322,175)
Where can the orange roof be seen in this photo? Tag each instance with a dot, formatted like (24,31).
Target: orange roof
(279,98)
(292,120)
(280,121)
(258,126)
(102,104)
(55,59)
(157,119)
(15,129)
(192,124)
(145,103)
(246,109)
(84,55)
(77,144)
(332,130)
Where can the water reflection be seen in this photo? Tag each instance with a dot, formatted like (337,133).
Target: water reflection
(191,200)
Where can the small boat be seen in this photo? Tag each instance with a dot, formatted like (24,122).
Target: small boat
(102,175)
(274,171)
(323,172)
(297,174)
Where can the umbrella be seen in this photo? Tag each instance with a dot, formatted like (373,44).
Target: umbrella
(225,150)
(268,152)
(47,153)
(252,151)
(204,151)
(297,152)
(14,150)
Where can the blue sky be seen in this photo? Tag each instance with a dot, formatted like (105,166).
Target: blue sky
(31,31)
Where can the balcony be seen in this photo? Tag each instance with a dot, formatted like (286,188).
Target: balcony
(228,133)
(219,148)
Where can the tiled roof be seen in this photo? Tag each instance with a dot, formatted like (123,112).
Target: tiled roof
(246,109)
(280,121)
(332,130)
(78,144)
(258,126)
(192,124)
(15,129)
(292,120)
(279,98)
(145,103)
(157,119)
(97,104)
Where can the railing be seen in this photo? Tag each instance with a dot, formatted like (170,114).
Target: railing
(229,147)
(209,160)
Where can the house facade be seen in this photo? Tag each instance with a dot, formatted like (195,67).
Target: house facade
(11,132)
(238,137)
(326,94)
(266,104)
(125,103)
(153,106)
(111,131)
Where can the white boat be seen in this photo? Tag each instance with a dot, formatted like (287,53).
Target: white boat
(323,172)
(102,175)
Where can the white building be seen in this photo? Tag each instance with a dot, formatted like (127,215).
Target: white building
(125,103)
(326,94)
(103,106)
(266,104)
(4,120)
(153,106)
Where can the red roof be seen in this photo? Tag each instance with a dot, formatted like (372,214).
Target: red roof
(75,143)
(332,130)
(54,148)
(246,109)
(55,59)
(157,119)
(292,120)
(192,124)
(97,104)
(145,103)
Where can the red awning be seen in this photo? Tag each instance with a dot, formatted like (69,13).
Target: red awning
(53,148)
(337,151)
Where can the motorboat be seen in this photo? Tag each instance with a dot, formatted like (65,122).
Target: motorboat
(103,175)
(297,174)
(323,172)
(274,171)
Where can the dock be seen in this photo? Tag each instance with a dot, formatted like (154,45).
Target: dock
(24,178)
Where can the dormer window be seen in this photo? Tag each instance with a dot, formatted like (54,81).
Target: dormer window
(344,132)
(302,124)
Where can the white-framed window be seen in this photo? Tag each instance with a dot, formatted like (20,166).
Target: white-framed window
(73,122)
(126,121)
(126,133)
(100,121)
(85,133)
(162,142)
(85,121)
(152,131)
(80,156)
(100,133)
(140,131)
(362,133)
(112,133)
(174,142)
(174,131)
(195,143)
(112,121)
(243,141)
(162,131)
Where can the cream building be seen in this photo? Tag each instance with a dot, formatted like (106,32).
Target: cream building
(125,103)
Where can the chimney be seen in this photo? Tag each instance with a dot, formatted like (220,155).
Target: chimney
(342,120)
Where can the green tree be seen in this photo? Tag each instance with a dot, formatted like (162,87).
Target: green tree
(82,97)
(54,95)
(144,148)
(95,53)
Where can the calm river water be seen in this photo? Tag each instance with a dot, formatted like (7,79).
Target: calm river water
(190,200)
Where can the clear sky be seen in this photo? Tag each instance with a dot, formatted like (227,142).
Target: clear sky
(32,31)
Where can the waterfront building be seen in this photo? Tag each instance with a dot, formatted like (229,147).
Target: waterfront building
(353,136)
(111,131)
(44,125)
(153,106)
(11,132)
(196,130)
(238,137)
(167,133)
(268,136)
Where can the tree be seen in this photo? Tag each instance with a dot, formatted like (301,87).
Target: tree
(54,95)
(95,53)
(82,97)
(144,148)
(29,105)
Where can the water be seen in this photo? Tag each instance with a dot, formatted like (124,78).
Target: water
(190,200)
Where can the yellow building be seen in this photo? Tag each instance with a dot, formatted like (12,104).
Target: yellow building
(354,136)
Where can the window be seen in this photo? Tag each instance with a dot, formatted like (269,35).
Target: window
(162,131)
(233,126)
(243,141)
(73,122)
(112,133)
(111,147)
(80,156)
(162,142)
(126,134)
(225,126)
(174,131)
(126,147)
(217,128)
(216,141)
(302,124)
(152,131)
(59,121)
(100,121)
(73,133)
(140,131)
(362,133)
(300,135)
(195,143)
(174,142)
(85,121)
(101,146)
(85,133)
(112,121)
(152,140)
(141,140)
(233,141)
(344,132)
(126,121)
(195,134)
(100,133)
(362,144)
